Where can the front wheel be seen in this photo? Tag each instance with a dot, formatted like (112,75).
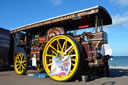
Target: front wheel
(20,63)
(59,47)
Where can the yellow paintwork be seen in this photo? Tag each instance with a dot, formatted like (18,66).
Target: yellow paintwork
(54,46)
(39,68)
(20,63)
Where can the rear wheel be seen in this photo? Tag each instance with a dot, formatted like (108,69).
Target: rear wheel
(20,63)
(63,45)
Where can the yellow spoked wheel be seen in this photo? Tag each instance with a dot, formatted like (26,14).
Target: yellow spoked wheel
(20,63)
(61,46)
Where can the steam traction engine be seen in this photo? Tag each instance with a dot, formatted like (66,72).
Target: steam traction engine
(60,46)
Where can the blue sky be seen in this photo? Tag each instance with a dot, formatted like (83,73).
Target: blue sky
(15,13)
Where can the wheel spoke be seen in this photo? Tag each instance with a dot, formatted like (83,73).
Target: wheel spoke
(73,55)
(21,57)
(59,45)
(49,64)
(50,60)
(64,45)
(53,48)
(73,59)
(24,64)
(19,67)
(23,67)
(71,47)
(73,64)
(18,58)
(48,55)
(54,52)
(23,61)
(17,61)
(70,51)
(17,64)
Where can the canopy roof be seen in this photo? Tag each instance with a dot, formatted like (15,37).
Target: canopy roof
(71,21)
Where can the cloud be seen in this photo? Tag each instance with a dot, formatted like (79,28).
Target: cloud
(122,3)
(119,20)
(56,2)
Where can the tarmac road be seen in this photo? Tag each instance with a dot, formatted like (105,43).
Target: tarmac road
(118,77)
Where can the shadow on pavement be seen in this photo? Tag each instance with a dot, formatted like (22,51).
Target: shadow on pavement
(113,74)
(118,72)
(109,83)
(7,69)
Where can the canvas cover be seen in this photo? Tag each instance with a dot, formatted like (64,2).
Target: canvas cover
(60,66)
(106,50)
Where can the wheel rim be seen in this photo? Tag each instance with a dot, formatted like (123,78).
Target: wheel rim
(20,63)
(63,45)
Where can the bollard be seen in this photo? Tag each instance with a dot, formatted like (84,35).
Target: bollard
(84,78)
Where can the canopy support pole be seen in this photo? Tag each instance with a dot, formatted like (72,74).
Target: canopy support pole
(96,24)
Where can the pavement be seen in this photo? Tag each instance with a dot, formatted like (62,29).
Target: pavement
(118,76)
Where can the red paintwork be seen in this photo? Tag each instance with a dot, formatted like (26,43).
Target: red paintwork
(35,50)
(87,34)
(54,31)
(93,42)
(42,39)
(85,26)
(37,55)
